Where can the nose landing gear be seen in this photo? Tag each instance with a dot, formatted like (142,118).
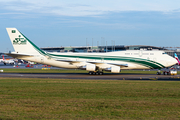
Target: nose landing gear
(95,73)
(158,72)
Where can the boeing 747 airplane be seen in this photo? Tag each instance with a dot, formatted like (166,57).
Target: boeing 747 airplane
(95,63)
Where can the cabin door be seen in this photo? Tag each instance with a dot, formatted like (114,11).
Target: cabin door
(42,59)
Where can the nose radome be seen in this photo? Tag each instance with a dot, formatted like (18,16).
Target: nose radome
(173,61)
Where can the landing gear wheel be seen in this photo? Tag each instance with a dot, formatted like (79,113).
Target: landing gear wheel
(100,73)
(90,73)
(158,73)
(95,73)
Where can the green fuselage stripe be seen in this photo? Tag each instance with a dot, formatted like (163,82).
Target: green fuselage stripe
(148,63)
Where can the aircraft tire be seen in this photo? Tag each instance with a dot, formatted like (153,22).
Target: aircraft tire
(90,73)
(95,73)
(100,73)
(158,73)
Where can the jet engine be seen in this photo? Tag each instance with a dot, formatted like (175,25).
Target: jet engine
(90,67)
(113,69)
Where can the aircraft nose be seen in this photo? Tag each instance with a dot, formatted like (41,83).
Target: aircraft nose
(173,61)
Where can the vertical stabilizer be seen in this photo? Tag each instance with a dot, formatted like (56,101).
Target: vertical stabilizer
(177,58)
(22,44)
(3,57)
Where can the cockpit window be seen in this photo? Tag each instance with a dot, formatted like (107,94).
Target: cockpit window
(164,53)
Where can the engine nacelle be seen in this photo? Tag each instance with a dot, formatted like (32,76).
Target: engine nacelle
(115,69)
(90,67)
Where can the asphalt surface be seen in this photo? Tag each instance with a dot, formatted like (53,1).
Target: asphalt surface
(106,76)
(93,77)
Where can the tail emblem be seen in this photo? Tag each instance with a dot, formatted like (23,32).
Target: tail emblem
(19,41)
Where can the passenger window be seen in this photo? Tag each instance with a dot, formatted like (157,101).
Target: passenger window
(145,53)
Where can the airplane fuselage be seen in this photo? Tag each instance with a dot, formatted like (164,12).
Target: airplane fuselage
(135,59)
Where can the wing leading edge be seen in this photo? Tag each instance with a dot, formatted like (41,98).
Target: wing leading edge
(96,63)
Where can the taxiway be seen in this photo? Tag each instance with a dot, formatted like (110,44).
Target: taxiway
(106,76)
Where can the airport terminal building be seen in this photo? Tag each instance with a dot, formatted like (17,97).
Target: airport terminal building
(168,50)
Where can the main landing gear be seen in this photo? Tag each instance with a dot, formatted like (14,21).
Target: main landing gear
(159,72)
(95,73)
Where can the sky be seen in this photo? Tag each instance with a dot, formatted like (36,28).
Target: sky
(56,23)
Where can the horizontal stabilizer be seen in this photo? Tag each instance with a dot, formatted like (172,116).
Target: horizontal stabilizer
(19,56)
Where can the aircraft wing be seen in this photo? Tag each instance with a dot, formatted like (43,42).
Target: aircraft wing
(96,63)
(70,61)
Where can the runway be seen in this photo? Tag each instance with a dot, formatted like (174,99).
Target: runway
(106,76)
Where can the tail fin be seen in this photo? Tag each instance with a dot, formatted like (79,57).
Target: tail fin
(22,44)
(3,57)
(176,57)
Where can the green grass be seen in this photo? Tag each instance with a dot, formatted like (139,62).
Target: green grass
(25,98)
(7,70)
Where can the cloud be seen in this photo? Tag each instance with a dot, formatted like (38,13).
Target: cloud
(88,7)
